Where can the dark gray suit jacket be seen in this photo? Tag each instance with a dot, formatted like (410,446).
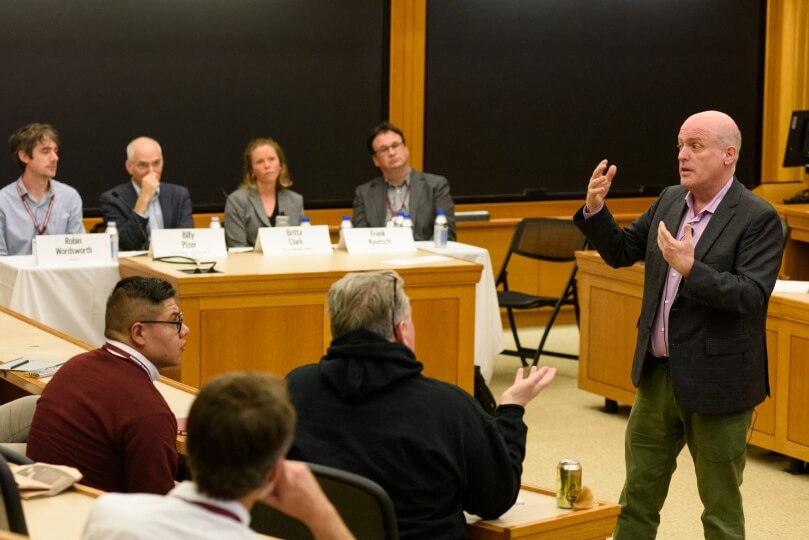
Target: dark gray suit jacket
(175,203)
(245,214)
(428,194)
(718,361)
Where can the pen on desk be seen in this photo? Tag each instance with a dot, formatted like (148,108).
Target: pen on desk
(15,366)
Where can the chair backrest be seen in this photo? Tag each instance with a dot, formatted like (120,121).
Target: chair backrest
(15,419)
(362,503)
(12,516)
(545,239)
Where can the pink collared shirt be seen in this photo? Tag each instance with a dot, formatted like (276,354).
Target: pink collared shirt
(659,342)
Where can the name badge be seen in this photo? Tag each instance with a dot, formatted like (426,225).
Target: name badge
(377,240)
(293,240)
(72,249)
(194,243)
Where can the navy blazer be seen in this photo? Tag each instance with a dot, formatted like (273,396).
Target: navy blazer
(175,203)
(428,193)
(717,345)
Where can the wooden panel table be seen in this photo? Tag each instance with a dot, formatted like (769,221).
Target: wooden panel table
(21,336)
(610,305)
(62,516)
(536,516)
(269,313)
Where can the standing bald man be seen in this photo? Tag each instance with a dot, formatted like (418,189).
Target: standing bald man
(712,251)
(145,203)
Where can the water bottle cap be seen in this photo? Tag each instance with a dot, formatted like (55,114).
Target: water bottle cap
(440,213)
(346,218)
(304,218)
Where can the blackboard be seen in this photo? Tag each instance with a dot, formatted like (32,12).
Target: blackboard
(524,98)
(203,77)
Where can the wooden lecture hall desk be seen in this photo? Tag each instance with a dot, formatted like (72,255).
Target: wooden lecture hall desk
(269,313)
(610,302)
(536,516)
(21,336)
(61,517)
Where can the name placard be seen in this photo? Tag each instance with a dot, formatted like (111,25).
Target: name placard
(377,240)
(194,243)
(72,249)
(293,240)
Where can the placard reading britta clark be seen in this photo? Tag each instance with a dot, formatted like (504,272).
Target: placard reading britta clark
(293,240)
(72,249)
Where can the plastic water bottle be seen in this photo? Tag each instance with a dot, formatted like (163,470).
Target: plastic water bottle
(215,223)
(305,221)
(281,220)
(441,229)
(399,219)
(407,223)
(112,230)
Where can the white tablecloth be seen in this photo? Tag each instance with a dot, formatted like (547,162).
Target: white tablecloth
(70,299)
(488,328)
(73,300)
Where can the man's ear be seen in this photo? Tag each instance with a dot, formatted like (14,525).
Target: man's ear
(397,332)
(22,156)
(136,334)
(272,478)
(730,154)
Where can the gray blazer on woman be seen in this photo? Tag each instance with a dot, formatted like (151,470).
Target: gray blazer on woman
(245,215)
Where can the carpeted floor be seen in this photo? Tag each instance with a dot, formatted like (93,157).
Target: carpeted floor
(565,422)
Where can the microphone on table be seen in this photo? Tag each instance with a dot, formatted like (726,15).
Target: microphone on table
(133,217)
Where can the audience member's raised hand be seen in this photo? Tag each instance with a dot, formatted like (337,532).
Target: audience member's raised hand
(527,388)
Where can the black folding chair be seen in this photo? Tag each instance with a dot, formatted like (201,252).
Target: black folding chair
(364,506)
(12,505)
(542,239)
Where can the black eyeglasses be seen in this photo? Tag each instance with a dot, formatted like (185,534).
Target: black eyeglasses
(393,307)
(178,323)
(384,149)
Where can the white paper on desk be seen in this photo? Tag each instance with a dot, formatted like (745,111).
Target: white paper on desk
(418,260)
(30,364)
(789,286)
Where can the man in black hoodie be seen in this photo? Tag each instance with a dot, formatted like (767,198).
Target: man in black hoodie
(367,408)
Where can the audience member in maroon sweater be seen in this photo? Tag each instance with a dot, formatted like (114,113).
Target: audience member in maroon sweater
(101,412)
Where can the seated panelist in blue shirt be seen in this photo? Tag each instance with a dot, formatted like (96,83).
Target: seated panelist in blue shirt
(36,203)
(145,203)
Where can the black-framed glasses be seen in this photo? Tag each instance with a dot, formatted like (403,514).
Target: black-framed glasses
(178,323)
(384,149)
(393,307)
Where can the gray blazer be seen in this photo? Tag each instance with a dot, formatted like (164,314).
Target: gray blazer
(717,343)
(245,215)
(428,193)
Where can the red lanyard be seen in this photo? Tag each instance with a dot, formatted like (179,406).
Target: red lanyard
(401,206)
(40,228)
(112,349)
(215,509)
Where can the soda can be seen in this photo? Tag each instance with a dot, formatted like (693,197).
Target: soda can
(568,482)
